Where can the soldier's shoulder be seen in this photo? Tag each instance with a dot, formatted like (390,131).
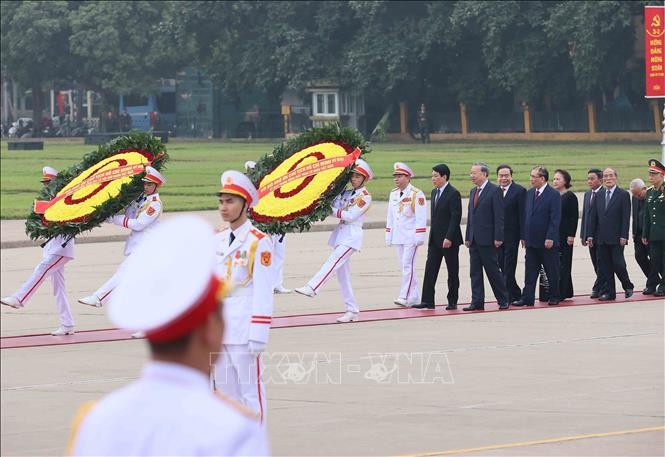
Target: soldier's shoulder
(416,190)
(257,233)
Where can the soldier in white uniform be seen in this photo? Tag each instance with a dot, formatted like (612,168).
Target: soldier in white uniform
(244,257)
(170,409)
(57,252)
(140,217)
(278,251)
(349,207)
(406,226)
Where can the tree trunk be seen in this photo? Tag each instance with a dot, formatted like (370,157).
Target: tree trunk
(37,111)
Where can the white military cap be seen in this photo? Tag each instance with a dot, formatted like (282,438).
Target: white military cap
(152,175)
(364,169)
(236,183)
(168,287)
(250,165)
(400,168)
(48,173)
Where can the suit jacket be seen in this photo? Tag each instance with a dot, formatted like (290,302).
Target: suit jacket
(607,226)
(513,220)
(569,216)
(638,216)
(446,217)
(586,210)
(485,222)
(542,218)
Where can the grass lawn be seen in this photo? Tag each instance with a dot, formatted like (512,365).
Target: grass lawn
(194,169)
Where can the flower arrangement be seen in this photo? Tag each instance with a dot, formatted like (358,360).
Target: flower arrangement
(299,179)
(104,183)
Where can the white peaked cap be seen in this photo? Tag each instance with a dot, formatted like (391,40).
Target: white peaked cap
(168,286)
(400,168)
(364,169)
(236,183)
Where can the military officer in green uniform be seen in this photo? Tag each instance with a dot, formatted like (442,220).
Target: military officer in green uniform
(654,223)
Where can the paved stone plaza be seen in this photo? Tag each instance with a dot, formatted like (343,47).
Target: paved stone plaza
(519,382)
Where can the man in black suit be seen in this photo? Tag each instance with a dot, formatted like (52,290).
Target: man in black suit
(595,181)
(638,189)
(541,237)
(608,229)
(445,238)
(514,201)
(484,237)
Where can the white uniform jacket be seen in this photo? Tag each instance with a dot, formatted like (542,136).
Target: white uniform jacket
(407,217)
(140,217)
(169,410)
(247,263)
(54,247)
(350,207)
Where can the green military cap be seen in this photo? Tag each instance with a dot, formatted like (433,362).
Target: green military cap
(656,167)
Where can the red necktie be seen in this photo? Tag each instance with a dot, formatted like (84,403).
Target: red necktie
(593,197)
(503,189)
(475,197)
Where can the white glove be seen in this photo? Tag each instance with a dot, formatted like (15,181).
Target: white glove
(389,243)
(256,347)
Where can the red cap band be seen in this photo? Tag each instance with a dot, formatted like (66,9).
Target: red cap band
(192,318)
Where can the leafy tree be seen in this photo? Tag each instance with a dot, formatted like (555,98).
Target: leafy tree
(34,46)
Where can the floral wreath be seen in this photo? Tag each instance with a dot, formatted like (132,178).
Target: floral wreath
(298,181)
(104,183)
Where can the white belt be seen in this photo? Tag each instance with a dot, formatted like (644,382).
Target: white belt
(357,224)
(241,292)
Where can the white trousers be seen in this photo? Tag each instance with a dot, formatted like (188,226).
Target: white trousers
(278,250)
(337,263)
(238,374)
(409,291)
(104,292)
(53,266)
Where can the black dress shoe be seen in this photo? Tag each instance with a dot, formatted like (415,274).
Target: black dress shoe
(543,299)
(423,306)
(474,308)
(521,303)
(647,291)
(659,293)
(451,307)
(628,293)
(504,306)
(606,297)
(594,294)
(553,302)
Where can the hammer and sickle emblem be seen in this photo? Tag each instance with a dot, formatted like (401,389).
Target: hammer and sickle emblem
(655,22)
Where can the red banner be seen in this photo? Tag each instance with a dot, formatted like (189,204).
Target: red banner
(654,26)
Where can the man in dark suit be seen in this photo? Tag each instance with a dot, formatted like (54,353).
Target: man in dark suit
(445,238)
(595,181)
(514,201)
(639,194)
(484,237)
(608,230)
(541,237)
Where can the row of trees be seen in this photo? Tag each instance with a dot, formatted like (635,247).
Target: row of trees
(464,51)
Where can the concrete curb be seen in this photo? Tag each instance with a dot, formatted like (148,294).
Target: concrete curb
(373,225)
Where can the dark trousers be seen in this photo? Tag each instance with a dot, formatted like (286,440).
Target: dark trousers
(657,253)
(486,257)
(434,256)
(508,263)
(644,261)
(598,284)
(549,260)
(566,269)
(612,262)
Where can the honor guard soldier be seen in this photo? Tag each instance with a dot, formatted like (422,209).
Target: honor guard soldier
(278,250)
(244,256)
(653,234)
(57,252)
(170,409)
(349,207)
(140,217)
(406,226)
